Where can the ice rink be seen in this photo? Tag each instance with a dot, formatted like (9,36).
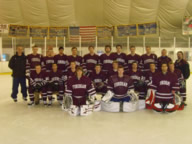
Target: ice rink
(20,124)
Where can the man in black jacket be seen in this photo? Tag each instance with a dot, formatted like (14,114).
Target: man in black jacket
(17,64)
(183,65)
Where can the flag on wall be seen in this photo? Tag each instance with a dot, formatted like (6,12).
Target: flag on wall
(87,33)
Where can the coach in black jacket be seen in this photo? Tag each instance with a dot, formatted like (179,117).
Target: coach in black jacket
(17,64)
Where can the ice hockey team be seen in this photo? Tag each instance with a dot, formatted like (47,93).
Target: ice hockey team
(112,82)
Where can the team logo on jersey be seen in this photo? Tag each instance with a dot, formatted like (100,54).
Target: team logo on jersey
(35,59)
(148,61)
(79,86)
(165,82)
(91,61)
(61,62)
(135,77)
(118,84)
(108,61)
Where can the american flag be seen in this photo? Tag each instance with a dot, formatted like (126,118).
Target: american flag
(87,33)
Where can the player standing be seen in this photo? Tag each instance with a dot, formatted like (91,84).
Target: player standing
(147,58)
(61,60)
(90,60)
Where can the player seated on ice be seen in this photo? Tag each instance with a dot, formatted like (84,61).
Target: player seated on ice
(55,84)
(114,70)
(120,95)
(99,79)
(139,85)
(70,72)
(165,85)
(79,94)
(182,86)
(37,86)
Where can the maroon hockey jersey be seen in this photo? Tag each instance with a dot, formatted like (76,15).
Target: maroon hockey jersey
(97,79)
(111,73)
(120,86)
(149,76)
(55,77)
(106,62)
(62,62)
(163,59)
(164,84)
(120,58)
(90,61)
(32,61)
(69,74)
(136,77)
(146,60)
(79,89)
(77,59)
(48,61)
(130,59)
(38,78)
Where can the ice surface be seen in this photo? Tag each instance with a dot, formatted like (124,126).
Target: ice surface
(20,124)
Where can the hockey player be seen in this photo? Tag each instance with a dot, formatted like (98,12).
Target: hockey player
(37,84)
(33,60)
(120,91)
(70,72)
(163,59)
(76,58)
(61,60)
(99,79)
(107,59)
(114,70)
(132,57)
(148,80)
(138,81)
(49,60)
(181,82)
(80,88)
(90,60)
(55,84)
(165,85)
(147,58)
(119,56)
(183,66)
(150,74)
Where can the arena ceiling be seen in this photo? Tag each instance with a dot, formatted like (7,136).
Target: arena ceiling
(168,13)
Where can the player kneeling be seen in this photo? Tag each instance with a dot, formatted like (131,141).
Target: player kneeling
(55,79)
(78,90)
(164,86)
(120,95)
(37,86)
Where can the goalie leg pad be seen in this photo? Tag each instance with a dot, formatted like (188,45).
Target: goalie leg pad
(74,110)
(130,106)
(67,102)
(110,106)
(97,105)
(86,110)
(141,104)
